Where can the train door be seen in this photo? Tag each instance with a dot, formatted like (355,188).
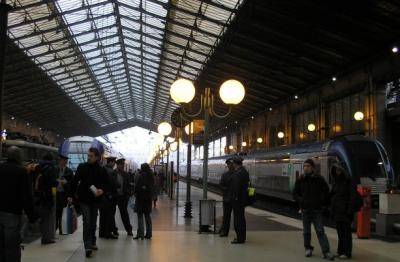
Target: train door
(297,170)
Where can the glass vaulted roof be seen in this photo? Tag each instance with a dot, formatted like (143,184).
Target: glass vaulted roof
(116,59)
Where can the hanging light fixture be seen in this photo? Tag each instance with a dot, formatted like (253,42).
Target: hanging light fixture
(182,91)
(358,116)
(232,92)
(281,135)
(311,127)
(244,144)
(259,140)
(164,128)
(187,128)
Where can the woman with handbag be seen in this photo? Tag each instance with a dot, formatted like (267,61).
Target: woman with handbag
(144,197)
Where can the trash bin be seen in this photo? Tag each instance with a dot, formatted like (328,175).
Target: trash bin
(207,215)
(364,215)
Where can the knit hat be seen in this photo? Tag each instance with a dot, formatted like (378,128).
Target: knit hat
(310,162)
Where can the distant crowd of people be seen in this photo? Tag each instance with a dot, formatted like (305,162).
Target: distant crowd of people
(41,191)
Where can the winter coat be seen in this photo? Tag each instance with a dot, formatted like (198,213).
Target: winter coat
(342,203)
(224,183)
(144,193)
(87,175)
(68,176)
(237,190)
(45,183)
(126,184)
(16,190)
(311,192)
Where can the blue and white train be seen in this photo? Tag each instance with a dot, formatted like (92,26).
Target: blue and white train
(76,148)
(274,172)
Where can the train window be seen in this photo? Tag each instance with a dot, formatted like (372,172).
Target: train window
(367,161)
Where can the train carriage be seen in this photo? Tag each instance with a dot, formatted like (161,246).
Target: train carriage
(274,172)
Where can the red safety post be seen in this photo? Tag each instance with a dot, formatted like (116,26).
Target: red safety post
(364,215)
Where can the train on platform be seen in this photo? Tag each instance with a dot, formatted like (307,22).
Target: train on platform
(31,152)
(273,172)
(76,148)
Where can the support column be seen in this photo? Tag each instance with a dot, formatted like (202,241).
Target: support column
(205,155)
(177,168)
(188,204)
(4,9)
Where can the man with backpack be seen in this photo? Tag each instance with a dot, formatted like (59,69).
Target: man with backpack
(311,192)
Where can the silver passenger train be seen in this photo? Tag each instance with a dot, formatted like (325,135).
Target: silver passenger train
(274,172)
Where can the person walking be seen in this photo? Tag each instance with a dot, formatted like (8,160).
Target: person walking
(45,183)
(224,184)
(121,180)
(311,192)
(144,195)
(64,178)
(88,188)
(108,228)
(342,209)
(157,188)
(237,194)
(15,197)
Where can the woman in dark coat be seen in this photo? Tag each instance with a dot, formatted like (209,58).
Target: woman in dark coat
(342,209)
(144,197)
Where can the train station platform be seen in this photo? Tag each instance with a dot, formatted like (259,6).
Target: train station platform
(271,237)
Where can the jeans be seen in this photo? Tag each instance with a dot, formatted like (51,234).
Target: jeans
(107,219)
(345,244)
(122,203)
(239,221)
(226,219)
(47,222)
(314,217)
(89,216)
(10,238)
(140,231)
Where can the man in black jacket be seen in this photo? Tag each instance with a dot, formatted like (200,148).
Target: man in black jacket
(88,188)
(224,183)
(237,194)
(64,178)
(46,208)
(108,228)
(311,192)
(121,180)
(15,196)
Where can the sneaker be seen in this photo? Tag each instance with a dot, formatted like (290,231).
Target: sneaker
(308,252)
(89,253)
(344,257)
(329,256)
